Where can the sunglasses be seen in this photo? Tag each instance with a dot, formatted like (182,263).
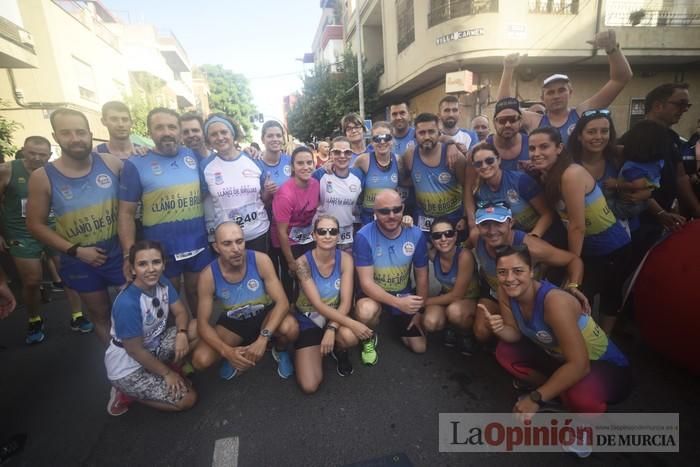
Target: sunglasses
(340,152)
(594,112)
(445,233)
(507,119)
(387,211)
(382,138)
(156,303)
(322,232)
(492,204)
(488,161)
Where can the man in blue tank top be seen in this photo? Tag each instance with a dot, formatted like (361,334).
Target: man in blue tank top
(116,117)
(385,252)
(557,90)
(166,181)
(255,309)
(82,189)
(495,224)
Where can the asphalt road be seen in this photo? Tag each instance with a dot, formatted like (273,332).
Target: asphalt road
(386,415)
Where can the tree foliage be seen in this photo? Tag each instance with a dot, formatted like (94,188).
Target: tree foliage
(230,93)
(328,95)
(7,128)
(147,94)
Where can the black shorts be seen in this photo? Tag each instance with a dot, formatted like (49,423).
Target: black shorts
(247,329)
(309,337)
(401,322)
(260,244)
(485,290)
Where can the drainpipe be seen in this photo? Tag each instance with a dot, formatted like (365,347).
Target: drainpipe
(21,105)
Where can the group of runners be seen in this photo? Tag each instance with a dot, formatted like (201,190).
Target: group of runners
(304,253)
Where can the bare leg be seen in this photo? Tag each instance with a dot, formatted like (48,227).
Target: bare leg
(29,270)
(307,363)
(98,311)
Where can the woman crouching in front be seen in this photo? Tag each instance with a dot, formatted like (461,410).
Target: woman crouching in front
(141,356)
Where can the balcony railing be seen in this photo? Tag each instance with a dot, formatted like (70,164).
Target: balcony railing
(80,11)
(679,13)
(445,10)
(553,7)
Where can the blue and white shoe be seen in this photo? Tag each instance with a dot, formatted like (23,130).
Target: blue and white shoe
(81,324)
(285,367)
(226,370)
(35,332)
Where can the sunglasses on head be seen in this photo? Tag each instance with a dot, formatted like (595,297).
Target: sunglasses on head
(156,303)
(341,152)
(387,211)
(492,204)
(445,233)
(322,231)
(382,138)
(507,119)
(594,112)
(488,161)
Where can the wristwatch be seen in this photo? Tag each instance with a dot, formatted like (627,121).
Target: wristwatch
(73,250)
(266,333)
(536,397)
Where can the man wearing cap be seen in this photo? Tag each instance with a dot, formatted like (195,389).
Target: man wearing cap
(557,90)
(509,140)
(495,224)
(166,181)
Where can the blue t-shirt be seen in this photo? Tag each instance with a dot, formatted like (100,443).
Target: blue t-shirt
(517,189)
(651,171)
(391,258)
(169,188)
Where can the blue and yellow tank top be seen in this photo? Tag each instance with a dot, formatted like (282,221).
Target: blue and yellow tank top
(438,192)
(517,189)
(604,233)
(376,180)
(245,298)
(86,207)
(328,288)
(447,279)
(523,155)
(487,263)
(538,331)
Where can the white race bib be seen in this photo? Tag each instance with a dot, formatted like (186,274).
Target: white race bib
(187,254)
(244,215)
(301,235)
(346,235)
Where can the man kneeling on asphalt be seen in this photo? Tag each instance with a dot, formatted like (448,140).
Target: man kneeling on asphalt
(384,252)
(255,309)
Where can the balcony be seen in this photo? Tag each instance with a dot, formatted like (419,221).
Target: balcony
(16,46)
(86,14)
(445,10)
(173,52)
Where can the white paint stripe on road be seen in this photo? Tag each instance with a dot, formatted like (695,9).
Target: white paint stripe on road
(226,452)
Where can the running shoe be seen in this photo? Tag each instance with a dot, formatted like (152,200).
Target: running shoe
(35,332)
(81,324)
(343,365)
(226,370)
(450,338)
(285,367)
(13,446)
(57,287)
(369,350)
(118,402)
(468,345)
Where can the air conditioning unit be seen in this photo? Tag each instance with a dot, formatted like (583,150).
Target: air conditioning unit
(26,38)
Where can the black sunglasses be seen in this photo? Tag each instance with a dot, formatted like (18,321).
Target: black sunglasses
(445,233)
(507,119)
(492,204)
(340,152)
(382,138)
(156,303)
(594,112)
(333,231)
(488,161)
(387,211)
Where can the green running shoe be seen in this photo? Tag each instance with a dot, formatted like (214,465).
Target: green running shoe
(369,350)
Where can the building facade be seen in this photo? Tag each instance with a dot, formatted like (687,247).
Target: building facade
(419,42)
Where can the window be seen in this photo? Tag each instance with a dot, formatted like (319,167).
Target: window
(554,7)
(444,10)
(404,20)
(85,79)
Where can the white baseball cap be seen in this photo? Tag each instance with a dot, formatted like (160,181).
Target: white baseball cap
(555,77)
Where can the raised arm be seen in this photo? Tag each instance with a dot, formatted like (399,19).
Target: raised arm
(620,72)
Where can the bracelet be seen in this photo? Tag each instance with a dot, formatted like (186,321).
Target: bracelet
(572,285)
(330,327)
(73,250)
(126,256)
(660,212)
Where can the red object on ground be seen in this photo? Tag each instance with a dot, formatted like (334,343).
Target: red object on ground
(667,298)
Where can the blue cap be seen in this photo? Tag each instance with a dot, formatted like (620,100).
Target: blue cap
(493,213)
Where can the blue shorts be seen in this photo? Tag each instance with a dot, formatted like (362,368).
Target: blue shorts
(84,278)
(194,264)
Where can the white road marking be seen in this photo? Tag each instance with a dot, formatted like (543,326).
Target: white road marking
(226,452)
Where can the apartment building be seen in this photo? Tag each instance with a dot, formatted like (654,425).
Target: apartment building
(418,42)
